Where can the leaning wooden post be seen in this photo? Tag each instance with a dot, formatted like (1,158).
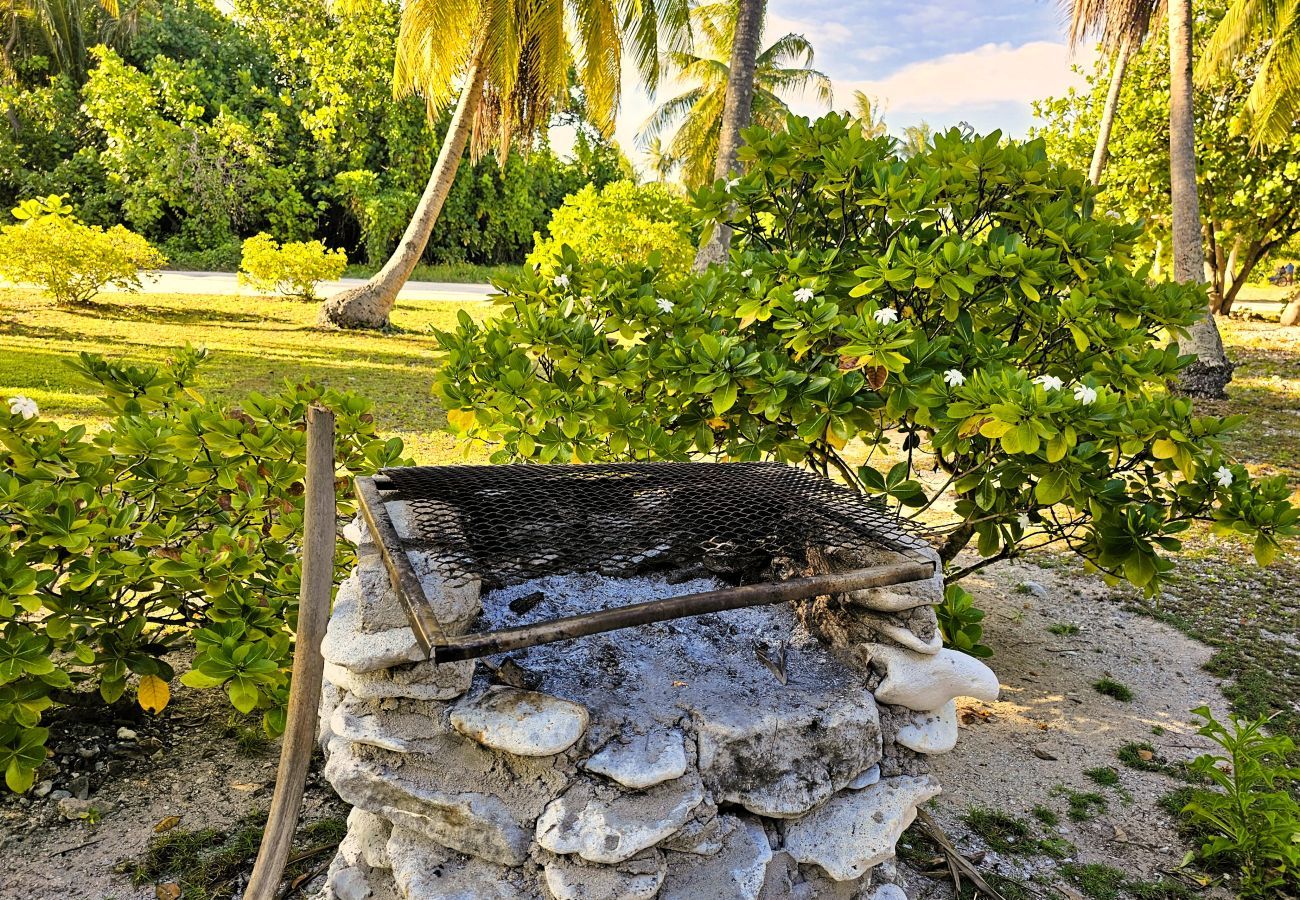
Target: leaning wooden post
(320,529)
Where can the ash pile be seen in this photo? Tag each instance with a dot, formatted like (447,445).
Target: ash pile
(770,752)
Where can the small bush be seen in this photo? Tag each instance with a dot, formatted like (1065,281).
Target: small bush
(176,525)
(622,223)
(1253,819)
(1116,690)
(293,268)
(71,261)
(1104,776)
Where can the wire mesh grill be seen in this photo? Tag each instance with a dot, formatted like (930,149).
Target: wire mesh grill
(743,522)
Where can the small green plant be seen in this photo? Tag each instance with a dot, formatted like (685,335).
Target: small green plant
(293,268)
(1102,882)
(1064,629)
(1104,776)
(959,622)
(1145,758)
(1157,730)
(1002,833)
(1114,689)
(1047,816)
(1085,805)
(71,261)
(1252,819)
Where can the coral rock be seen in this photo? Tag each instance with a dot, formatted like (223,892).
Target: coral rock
(604,825)
(925,683)
(854,831)
(637,879)
(737,872)
(643,760)
(931,733)
(525,723)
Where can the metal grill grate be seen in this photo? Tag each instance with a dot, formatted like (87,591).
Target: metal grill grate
(508,524)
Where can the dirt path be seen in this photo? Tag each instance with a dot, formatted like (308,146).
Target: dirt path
(1050,725)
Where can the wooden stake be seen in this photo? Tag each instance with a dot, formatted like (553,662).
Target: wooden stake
(320,531)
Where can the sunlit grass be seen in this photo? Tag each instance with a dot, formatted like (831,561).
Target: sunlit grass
(256,344)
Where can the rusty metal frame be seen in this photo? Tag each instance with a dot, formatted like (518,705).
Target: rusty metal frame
(441,648)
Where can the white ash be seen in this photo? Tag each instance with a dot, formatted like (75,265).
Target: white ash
(662,669)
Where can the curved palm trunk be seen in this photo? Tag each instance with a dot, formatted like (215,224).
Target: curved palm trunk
(736,107)
(1102,149)
(368,305)
(1207,376)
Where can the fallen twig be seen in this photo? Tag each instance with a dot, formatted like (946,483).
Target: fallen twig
(956,861)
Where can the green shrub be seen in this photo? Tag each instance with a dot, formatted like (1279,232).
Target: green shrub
(293,268)
(49,247)
(178,524)
(1253,819)
(959,311)
(621,223)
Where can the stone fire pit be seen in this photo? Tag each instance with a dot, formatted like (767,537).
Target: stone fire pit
(768,752)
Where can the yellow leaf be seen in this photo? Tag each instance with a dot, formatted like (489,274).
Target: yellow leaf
(460,419)
(167,823)
(1164,449)
(167,891)
(994,428)
(153,694)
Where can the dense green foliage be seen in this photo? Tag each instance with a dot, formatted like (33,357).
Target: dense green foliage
(622,223)
(71,261)
(202,130)
(1253,819)
(176,525)
(960,305)
(1250,197)
(293,268)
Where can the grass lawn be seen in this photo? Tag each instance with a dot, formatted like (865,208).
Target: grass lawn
(255,344)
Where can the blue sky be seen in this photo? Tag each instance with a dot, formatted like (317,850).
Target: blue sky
(943,61)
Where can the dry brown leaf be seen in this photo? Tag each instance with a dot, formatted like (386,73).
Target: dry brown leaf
(168,890)
(167,823)
(248,787)
(1146,755)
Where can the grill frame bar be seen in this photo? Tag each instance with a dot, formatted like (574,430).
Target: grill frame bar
(439,647)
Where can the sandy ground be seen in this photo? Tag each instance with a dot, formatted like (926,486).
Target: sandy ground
(1050,724)
(182,765)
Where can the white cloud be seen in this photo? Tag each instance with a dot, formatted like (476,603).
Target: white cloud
(821,34)
(994,75)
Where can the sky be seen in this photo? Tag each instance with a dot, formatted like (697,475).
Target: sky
(944,61)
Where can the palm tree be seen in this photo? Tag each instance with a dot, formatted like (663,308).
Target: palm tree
(1121,26)
(510,64)
(62,31)
(1273,103)
(784,67)
(1127,22)
(660,161)
(1211,371)
(868,115)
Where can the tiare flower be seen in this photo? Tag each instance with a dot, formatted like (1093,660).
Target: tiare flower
(23,406)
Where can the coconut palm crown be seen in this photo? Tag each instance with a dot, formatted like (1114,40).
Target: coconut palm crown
(784,67)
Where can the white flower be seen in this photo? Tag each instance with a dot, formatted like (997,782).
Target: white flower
(1052,383)
(954,378)
(731,183)
(561,281)
(1223,475)
(663,304)
(885,316)
(803,295)
(23,406)
(1084,394)
(746,273)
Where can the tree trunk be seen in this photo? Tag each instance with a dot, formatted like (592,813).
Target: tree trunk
(368,305)
(1211,371)
(735,116)
(1291,314)
(1102,149)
